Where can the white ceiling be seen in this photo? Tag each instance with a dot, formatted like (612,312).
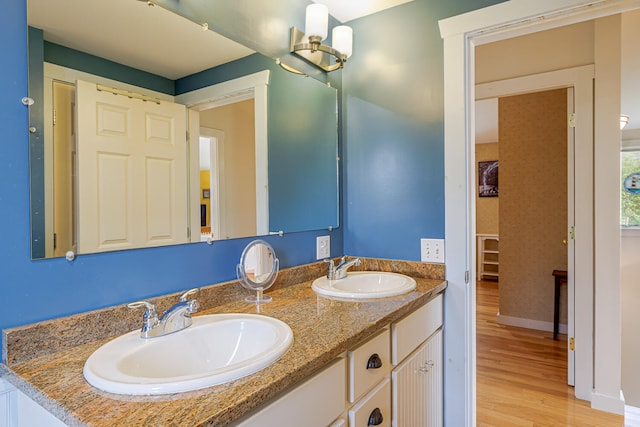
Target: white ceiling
(132,33)
(348,10)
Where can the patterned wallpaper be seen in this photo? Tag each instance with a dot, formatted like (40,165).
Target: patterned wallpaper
(533,202)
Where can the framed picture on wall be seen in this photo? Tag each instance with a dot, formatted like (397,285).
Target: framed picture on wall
(488,178)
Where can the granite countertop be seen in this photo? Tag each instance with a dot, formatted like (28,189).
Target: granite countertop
(323,328)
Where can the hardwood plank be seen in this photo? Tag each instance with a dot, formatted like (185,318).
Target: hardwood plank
(522,374)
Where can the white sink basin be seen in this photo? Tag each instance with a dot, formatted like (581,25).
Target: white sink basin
(215,349)
(365,284)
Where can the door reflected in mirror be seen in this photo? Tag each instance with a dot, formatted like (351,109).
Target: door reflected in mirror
(285,182)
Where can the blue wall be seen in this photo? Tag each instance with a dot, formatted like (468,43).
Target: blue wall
(393,90)
(95,65)
(37,290)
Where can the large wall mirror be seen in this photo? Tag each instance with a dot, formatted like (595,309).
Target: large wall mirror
(148,129)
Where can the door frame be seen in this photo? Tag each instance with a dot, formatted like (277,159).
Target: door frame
(247,87)
(580,161)
(216,179)
(461,34)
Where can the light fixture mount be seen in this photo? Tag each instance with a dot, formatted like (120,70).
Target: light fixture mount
(313,51)
(624,120)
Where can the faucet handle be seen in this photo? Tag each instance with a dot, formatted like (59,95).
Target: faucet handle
(331,270)
(149,318)
(150,308)
(188,293)
(194,305)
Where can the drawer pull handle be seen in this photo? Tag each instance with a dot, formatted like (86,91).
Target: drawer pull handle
(375,418)
(374,362)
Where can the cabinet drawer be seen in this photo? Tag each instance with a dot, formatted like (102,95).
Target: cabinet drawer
(374,406)
(316,402)
(410,332)
(368,364)
(341,422)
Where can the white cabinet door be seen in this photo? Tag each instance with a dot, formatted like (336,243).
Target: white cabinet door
(8,405)
(18,410)
(417,386)
(31,414)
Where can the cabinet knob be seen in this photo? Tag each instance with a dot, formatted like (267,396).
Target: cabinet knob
(374,362)
(375,418)
(426,367)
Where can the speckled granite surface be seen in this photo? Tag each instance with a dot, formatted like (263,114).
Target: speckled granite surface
(45,360)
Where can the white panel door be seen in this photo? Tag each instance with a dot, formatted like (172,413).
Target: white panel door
(132,171)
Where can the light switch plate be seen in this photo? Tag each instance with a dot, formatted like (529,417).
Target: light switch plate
(432,250)
(323,247)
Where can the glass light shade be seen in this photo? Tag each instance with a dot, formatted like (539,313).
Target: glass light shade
(317,21)
(624,119)
(342,37)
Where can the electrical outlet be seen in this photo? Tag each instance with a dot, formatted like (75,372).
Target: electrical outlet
(432,250)
(323,247)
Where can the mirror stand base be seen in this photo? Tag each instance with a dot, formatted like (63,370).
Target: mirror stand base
(258,298)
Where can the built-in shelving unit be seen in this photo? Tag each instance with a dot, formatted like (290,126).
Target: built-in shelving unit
(488,256)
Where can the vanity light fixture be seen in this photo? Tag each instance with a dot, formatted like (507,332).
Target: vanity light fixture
(308,44)
(624,119)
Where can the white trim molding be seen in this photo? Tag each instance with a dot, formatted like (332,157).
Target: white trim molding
(461,34)
(631,416)
(520,322)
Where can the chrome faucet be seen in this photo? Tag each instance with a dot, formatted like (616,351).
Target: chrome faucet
(340,271)
(174,319)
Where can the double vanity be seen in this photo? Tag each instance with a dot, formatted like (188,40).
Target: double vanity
(322,351)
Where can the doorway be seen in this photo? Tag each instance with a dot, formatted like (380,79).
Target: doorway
(211,183)
(252,87)
(228,171)
(503,21)
(523,230)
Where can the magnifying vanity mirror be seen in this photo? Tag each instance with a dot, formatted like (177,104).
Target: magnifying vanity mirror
(258,269)
(260,158)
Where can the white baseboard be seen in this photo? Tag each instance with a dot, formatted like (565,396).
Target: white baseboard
(608,403)
(529,323)
(631,416)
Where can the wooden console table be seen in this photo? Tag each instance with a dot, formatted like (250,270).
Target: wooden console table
(560,277)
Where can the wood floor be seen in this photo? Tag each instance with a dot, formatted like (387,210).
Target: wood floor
(522,375)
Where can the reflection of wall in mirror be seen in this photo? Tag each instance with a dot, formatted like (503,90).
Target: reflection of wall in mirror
(300,149)
(238,209)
